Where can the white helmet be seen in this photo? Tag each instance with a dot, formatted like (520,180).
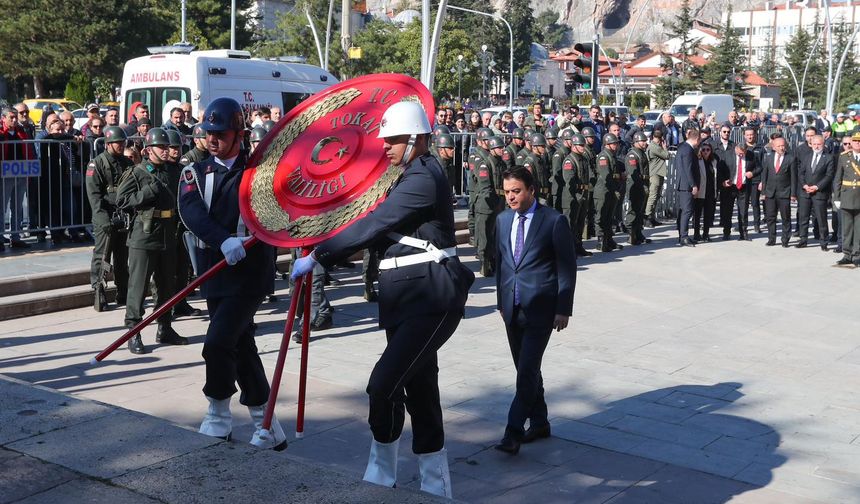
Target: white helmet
(404,118)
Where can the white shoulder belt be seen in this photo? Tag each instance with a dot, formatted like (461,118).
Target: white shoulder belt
(431,253)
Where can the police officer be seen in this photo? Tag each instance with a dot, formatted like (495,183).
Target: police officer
(562,150)
(183,262)
(443,151)
(637,188)
(590,155)
(480,155)
(532,159)
(257,135)
(509,157)
(846,198)
(420,302)
(149,191)
(487,206)
(576,189)
(109,223)
(235,293)
(200,150)
(606,193)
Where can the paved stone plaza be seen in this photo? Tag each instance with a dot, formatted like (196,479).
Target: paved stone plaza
(725,373)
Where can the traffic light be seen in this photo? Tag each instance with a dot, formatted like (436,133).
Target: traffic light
(588,63)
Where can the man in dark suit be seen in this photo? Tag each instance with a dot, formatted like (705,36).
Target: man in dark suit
(814,182)
(687,168)
(534,288)
(422,297)
(724,147)
(777,186)
(738,168)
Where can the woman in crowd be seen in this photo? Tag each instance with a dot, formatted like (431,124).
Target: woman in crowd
(705,202)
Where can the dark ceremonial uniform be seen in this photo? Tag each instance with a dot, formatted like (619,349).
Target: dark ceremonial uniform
(420,304)
(234,293)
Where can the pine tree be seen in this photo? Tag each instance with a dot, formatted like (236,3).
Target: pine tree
(727,61)
(799,52)
(79,88)
(768,68)
(680,28)
(848,87)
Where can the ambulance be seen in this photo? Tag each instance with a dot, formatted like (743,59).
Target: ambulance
(175,74)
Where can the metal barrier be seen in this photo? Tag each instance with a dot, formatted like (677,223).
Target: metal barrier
(43,184)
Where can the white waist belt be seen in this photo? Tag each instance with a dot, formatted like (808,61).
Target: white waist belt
(398,262)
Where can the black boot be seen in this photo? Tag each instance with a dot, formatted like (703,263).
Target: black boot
(183,309)
(99,300)
(167,336)
(135,345)
(369,293)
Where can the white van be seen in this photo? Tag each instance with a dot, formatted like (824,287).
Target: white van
(721,104)
(164,80)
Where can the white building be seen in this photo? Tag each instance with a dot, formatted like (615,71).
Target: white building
(545,77)
(779,21)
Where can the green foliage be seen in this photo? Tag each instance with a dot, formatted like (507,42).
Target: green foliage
(612,53)
(680,28)
(727,61)
(293,37)
(848,87)
(798,51)
(79,88)
(548,31)
(640,101)
(768,68)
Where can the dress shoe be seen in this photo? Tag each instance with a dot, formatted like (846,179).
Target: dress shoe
(20,244)
(167,336)
(687,242)
(273,298)
(584,253)
(509,445)
(844,262)
(535,433)
(654,222)
(370,294)
(697,237)
(824,247)
(785,245)
(297,336)
(185,310)
(770,243)
(800,245)
(135,345)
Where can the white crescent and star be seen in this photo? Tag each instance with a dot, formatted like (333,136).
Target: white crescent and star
(342,151)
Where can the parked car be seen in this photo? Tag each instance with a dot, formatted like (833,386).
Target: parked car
(58,104)
(652,117)
(801,117)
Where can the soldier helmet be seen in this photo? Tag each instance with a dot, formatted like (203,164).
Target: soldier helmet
(156,137)
(484,133)
(174,137)
(551,133)
(588,132)
(257,134)
(496,142)
(268,125)
(537,139)
(223,114)
(578,139)
(199,132)
(567,134)
(640,137)
(445,141)
(610,138)
(114,134)
(518,133)
(441,129)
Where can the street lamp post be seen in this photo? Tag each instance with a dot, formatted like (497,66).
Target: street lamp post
(727,81)
(459,78)
(796,84)
(485,56)
(511,34)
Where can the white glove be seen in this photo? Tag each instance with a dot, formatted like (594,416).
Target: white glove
(233,249)
(303,266)
(837,204)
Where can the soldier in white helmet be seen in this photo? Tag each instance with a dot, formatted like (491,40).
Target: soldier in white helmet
(422,295)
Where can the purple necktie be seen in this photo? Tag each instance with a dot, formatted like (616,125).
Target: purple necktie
(518,252)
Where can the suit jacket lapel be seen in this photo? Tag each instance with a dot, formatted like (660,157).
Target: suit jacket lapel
(534,227)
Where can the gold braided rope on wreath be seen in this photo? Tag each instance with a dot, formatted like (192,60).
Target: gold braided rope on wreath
(264,202)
